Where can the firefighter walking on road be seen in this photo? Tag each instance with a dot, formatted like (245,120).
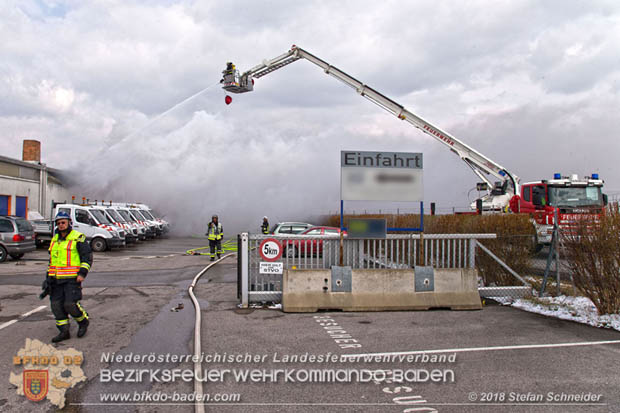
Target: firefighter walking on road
(215,233)
(70,261)
(265,226)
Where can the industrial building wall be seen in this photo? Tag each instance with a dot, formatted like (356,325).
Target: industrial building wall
(11,189)
(20,188)
(14,190)
(56,193)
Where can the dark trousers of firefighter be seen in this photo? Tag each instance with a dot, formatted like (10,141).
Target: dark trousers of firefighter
(215,246)
(65,298)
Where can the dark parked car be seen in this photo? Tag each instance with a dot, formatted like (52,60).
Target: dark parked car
(16,237)
(312,246)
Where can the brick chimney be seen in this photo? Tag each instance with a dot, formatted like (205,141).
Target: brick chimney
(32,151)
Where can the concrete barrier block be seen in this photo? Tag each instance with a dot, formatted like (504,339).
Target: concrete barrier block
(379,290)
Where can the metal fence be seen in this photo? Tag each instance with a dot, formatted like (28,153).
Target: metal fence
(552,261)
(397,251)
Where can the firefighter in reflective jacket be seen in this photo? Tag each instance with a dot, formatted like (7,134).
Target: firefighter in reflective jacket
(215,233)
(70,260)
(265,226)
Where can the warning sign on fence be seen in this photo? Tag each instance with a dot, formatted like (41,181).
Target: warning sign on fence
(270,268)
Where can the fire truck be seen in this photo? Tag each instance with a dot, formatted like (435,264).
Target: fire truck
(573,197)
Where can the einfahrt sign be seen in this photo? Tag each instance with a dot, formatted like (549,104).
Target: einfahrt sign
(381,176)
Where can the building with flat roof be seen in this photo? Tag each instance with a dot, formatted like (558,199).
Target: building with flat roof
(27,186)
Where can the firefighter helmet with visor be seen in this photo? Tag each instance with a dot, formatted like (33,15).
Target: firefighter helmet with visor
(62,215)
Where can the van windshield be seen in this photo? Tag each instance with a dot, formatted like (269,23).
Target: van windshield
(138,215)
(147,214)
(127,216)
(100,216)
(115,215)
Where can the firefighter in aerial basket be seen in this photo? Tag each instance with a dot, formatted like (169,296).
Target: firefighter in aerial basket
(70,261)
(215,233)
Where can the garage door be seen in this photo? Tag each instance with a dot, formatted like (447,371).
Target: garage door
(21,206)
(5,204)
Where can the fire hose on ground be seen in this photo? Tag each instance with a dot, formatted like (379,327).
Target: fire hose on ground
(227,246)
(199,407)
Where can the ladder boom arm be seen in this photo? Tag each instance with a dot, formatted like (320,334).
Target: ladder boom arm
(480,164)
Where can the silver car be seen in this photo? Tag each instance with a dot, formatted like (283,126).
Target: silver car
(16,237)
(284,228)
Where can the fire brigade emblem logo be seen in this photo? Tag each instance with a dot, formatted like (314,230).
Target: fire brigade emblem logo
(36,384)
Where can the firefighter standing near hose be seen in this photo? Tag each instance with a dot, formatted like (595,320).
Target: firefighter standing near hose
(215,233)
(70,261)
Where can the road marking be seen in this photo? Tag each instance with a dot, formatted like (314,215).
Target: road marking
(471,349)
(33,311)
(134,257)
(8,323)
(21,317)
(337,333)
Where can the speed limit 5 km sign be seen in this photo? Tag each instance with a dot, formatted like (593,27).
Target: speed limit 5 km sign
(270,249)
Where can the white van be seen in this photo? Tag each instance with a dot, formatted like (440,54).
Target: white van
(131,227)
(144,231)
(151,228)
(101,236)
(150,214)
(156,227)
(104,218)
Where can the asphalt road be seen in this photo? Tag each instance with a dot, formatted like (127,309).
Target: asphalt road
(498,359)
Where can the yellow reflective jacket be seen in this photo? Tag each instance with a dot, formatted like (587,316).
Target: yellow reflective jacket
(64,256)
(216,231)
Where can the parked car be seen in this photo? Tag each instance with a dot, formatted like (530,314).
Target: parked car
(298,247)
(16,237)
(284,228)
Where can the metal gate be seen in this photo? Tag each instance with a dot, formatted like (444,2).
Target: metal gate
(322,252)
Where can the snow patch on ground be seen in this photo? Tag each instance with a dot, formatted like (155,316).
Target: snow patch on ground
(579,309)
